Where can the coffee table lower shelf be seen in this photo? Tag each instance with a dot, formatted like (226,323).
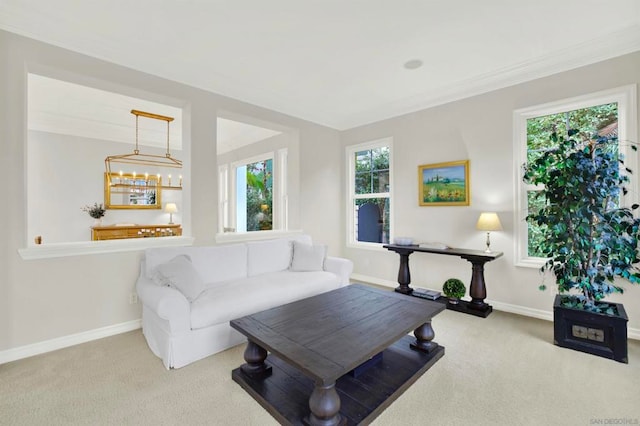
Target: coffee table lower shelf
(285,394)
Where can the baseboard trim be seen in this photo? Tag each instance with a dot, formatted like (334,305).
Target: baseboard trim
(632,333)
(521,310)
(27,351)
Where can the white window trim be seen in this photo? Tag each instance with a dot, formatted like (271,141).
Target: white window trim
(625,96)
(227,193)
(280,191)
(351,196)
(223,197)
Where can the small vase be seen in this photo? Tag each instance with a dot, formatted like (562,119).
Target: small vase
(97,222)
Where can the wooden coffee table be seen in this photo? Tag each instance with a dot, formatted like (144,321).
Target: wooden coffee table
(337,358)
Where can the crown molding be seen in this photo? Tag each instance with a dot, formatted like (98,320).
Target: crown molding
(622,42)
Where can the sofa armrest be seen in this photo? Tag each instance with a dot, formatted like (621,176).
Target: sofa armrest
(339,266)
(168,303)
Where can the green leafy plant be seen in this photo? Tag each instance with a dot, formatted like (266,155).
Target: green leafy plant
(454,288)
(259,195)
(589,239)
(96,211)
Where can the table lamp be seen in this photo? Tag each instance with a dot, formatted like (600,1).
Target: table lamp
(488,221)
(170,208)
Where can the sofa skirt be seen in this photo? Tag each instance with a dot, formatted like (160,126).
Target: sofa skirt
(181,349)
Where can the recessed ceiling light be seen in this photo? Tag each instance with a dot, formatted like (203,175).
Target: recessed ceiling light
(413,64)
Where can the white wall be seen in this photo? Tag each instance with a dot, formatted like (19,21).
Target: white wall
(321,188)
(45,300)
(478,129)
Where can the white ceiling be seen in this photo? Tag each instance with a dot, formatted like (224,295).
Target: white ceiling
(235,134)
(65,108)
(337,62)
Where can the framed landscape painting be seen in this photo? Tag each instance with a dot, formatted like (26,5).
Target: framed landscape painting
(444,184)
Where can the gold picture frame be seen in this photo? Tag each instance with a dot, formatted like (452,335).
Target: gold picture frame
(444,184)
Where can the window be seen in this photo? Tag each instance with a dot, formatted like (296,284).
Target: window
(369,203)
(252,194)
(610,113)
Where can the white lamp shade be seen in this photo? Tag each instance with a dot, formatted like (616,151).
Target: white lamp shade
(489,222)
(170,208)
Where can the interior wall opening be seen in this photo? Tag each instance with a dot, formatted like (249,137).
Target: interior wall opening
(258,175)
(71,129)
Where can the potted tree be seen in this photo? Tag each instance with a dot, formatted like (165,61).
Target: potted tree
(454,289)
(590,240)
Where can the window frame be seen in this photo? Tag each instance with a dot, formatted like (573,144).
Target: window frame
(350,152)
(624,96)
(227,182)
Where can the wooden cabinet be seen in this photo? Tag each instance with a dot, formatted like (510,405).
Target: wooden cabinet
(116,232)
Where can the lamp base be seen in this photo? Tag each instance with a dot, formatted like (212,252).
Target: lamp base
(488,249)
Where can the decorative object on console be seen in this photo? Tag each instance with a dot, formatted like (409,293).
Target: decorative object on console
(454,289)
(96,211)
(444,184)
(488,221)
(403,241)
(171,208)
(434,245)
(426,293)
(147,160)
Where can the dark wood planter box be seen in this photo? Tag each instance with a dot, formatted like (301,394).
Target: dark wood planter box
(594,333)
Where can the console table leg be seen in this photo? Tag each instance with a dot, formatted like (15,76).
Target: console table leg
(255,356)
(424,336)
(325,406)
(477,289)
(404,275)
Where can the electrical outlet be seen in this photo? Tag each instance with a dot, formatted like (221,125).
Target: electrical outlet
(133,298)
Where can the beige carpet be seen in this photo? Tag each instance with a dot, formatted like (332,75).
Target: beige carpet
(503,370)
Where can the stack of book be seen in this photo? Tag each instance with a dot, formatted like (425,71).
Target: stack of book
(425,293)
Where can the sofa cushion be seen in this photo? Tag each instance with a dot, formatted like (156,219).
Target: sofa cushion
(222,263)
(268,256)
(254,294)
(213,263)
(180,274)
(308,257)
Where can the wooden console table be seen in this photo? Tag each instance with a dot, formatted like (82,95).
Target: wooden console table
(117,232)
(477,289)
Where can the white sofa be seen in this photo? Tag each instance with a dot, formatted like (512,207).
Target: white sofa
(236,279)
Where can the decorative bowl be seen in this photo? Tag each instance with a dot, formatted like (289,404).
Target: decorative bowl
(403,241)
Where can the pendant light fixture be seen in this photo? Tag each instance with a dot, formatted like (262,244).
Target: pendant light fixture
(144,161)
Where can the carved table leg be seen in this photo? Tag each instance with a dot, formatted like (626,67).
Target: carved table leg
(325,406)
(424,336)
(477,289)
(404,275)
(255,356)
